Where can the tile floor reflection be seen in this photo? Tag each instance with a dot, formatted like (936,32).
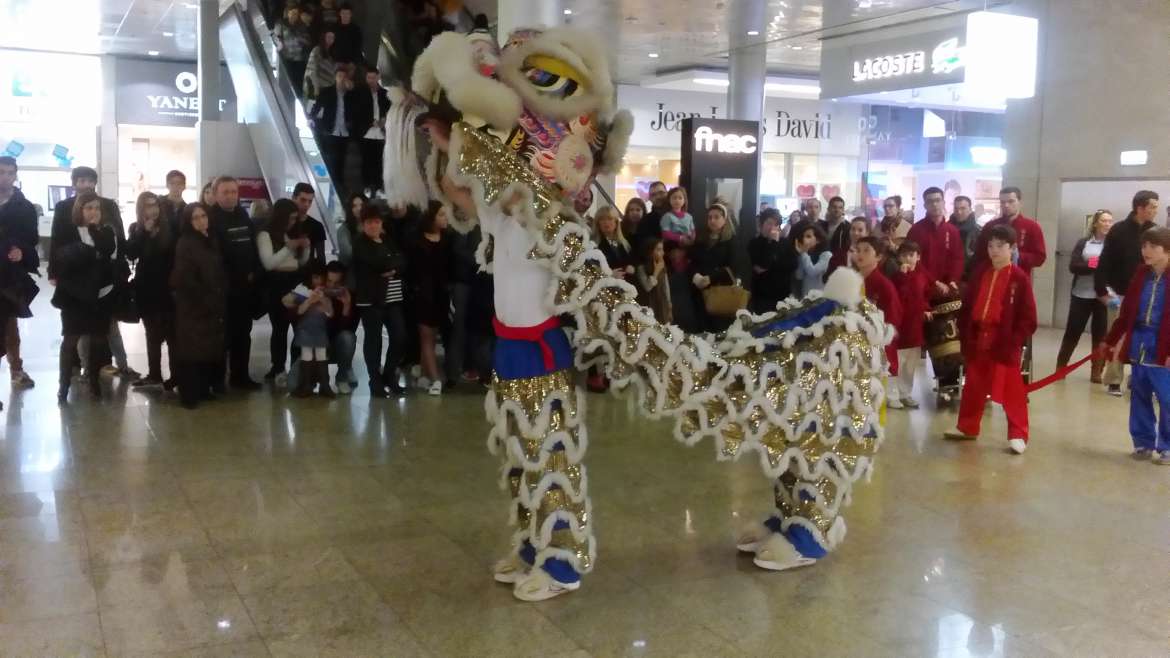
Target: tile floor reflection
(261,526)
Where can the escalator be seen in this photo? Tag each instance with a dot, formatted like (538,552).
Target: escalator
(276,120)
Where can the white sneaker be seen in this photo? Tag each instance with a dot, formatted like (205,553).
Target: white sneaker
(423,383)
(751,537)
(893,402)
(539,586)
(1018,446)
(436,388)
(778,554)
(510,570)
(281,380)
(344,388)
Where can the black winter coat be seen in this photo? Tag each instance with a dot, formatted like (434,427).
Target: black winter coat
(82,270)
(1120,256)
(370,260)
(64,231)
(18,223)
(236,235)
(713,259)
(200,292)
(155,258)
(778,258)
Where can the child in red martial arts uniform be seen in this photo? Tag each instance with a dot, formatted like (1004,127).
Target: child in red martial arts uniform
(865,254)
(1144,323)
(915,285)
(998,317)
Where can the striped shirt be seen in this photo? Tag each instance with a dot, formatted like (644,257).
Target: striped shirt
(393,291)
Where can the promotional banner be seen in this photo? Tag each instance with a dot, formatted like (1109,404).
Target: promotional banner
(154,93)
(790,125)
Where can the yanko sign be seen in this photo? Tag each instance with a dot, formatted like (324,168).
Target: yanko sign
(160,93)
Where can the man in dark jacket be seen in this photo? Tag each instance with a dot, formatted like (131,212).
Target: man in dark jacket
(963,218)
(348,47)
(303,196)
(1120,258)
(333,117)
(651,225)
(18,232)
(236,235)
(370,107)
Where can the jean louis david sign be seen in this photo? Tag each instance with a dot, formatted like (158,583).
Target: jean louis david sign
(790,125)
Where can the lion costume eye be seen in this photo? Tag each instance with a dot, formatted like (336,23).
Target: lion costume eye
(552,76)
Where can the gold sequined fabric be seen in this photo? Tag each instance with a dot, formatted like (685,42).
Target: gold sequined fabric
(537,427)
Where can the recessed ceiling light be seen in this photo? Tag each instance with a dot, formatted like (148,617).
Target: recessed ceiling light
(168,34)
(152,53)
(568,12)
(797,47)
(753,33)
(653,55)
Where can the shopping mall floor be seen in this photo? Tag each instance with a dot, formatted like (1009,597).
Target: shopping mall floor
(260,525)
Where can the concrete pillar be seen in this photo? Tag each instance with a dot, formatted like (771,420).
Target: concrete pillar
(107,164)
(208,59)
(747,62)
(207,54)
(1093,100)
(512,14)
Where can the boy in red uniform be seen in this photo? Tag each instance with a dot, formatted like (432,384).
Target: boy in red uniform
(878,289)
(998,318)
(1144,323)
(915,285)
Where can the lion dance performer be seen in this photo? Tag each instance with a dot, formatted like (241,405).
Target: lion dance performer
(516,137)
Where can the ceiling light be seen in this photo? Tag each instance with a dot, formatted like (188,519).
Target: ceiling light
(152,53)
(988,155)
(753,33)
(168,34)
(653,55)
(714,82)
(796,47)
(798,88)
(1132,158)
(568,12)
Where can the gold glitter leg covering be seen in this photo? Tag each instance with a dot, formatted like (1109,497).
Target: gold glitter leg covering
(537,428)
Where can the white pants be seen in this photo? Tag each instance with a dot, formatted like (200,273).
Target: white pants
(902,386)
(314,354)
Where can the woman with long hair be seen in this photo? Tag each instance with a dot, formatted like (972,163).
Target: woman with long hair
(151,246)
(893,228)
(354,204)
(284,252)
(608,236)
(652,278)
(632,217)
(431,258)
(84,257)
(199,284)
(1084,303)
(321,67)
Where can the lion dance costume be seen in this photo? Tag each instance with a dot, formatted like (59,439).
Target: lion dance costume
(517,135)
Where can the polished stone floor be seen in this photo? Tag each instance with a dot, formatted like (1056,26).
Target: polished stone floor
(261,526)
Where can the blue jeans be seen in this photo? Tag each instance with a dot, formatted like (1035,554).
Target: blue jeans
(1147,383)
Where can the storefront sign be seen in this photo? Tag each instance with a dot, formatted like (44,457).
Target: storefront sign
(790,125)
(50,88)
(706,140)
(923,59)
(153,93)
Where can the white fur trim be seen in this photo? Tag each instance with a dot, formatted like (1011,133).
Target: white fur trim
(844,287)
(616,142)
(448,65)
(581,50)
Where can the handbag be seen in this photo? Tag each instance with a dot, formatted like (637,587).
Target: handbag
(125,307)
(725,300)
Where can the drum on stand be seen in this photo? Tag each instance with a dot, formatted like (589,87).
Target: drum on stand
(943,344)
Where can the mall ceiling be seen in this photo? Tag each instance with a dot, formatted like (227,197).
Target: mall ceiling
(649,36)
